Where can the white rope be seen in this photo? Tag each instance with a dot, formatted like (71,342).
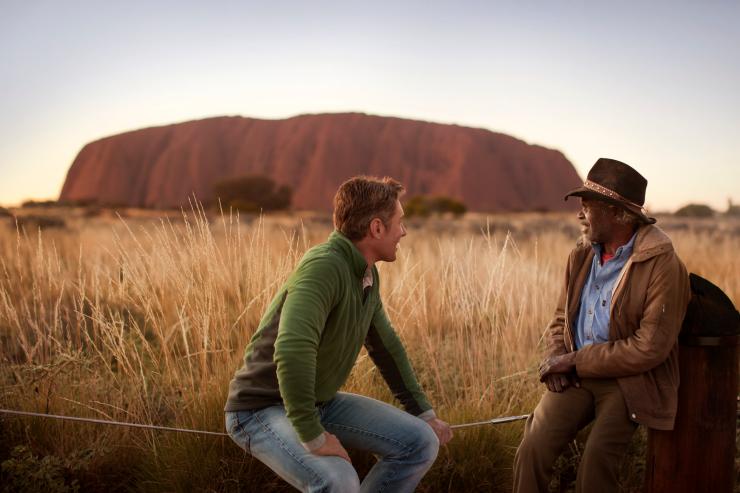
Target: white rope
(495,421)
(107,422)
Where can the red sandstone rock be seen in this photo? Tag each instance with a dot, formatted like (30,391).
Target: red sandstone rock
(163,166)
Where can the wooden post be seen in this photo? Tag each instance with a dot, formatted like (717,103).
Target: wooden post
(698,455)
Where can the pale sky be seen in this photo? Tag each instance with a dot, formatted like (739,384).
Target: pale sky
(653,84)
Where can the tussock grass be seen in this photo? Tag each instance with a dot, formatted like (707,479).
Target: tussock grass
(146,320)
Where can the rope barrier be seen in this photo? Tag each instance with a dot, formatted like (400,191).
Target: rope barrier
(495,421)
(108,422)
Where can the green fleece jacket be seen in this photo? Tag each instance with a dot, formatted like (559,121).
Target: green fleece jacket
(309,338)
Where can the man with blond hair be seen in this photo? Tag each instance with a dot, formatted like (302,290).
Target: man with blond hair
(284,406)
(612,354)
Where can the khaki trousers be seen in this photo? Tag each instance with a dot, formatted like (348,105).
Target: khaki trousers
(555,422)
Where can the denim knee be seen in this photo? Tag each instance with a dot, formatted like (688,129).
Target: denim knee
(340,479)
(427,444)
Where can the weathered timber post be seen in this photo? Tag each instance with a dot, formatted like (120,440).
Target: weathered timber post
(698,455)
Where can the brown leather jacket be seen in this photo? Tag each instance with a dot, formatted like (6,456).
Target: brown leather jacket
(648,306)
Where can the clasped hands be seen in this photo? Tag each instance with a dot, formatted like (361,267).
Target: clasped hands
(557,372)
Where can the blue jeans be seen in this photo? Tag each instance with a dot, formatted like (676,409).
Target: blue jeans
(405,445)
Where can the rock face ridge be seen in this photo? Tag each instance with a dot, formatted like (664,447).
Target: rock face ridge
(313,154)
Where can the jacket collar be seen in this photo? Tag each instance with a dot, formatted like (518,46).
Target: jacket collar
(350,252)
(650,241)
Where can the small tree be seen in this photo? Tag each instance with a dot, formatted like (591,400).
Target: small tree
(253,193)
(29,204)
(695,210)
(416,206)
(442,205)
(732,209)
(423,206)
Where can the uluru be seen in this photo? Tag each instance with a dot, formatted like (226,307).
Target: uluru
(165,166)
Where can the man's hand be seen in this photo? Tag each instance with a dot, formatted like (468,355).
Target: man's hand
(558,382)
(332,446)
(441,429)
(563,363)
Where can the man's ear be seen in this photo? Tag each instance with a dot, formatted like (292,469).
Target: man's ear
(376,228)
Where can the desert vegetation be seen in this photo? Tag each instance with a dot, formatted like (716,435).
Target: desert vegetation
(425,206)
(695,210)
(251,193)
(145,320)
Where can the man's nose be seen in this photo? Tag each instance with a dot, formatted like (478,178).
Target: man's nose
(581,215)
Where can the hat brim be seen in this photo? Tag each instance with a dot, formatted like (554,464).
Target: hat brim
(588,193)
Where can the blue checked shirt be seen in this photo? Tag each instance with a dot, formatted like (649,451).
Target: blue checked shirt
(592,324)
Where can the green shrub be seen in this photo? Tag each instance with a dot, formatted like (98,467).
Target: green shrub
(446,204)
(77,203)
(695,210)
(30,204)
(416,206)
(35,222)
(732,209)
(244,205)
(252,194)
(423,206)
(24,471)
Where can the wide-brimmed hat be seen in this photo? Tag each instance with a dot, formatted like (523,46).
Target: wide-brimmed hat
(617,183)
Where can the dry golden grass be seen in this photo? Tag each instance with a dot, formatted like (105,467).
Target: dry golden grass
(145,321)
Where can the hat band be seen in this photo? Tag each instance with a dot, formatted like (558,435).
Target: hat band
(611,194)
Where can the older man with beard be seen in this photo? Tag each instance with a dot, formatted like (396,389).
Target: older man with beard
(612,356)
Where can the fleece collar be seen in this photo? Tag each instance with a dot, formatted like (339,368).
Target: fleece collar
(355,259)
